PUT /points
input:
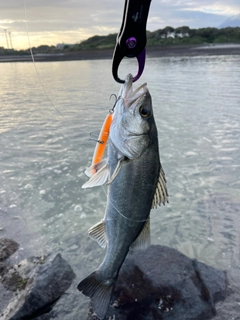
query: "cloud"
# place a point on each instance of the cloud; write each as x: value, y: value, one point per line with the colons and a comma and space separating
x: 195, y: 14
x: 71, y: 21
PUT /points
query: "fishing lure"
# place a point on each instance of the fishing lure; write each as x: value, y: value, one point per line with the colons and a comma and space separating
x: 102, y: 141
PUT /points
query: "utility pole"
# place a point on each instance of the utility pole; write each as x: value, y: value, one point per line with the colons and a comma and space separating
x: 6, y: 34
x: 10, y: 39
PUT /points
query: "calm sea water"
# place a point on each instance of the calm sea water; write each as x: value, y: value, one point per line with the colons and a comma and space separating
x: 44, y: 151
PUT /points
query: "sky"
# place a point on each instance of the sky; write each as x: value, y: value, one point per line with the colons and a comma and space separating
x: 51, y: 22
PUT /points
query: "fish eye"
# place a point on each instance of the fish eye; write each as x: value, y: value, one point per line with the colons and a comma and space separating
x: 144, y: 112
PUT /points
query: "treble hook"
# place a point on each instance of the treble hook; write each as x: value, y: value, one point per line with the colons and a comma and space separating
x: 93, y: 137
x: 111, y: 111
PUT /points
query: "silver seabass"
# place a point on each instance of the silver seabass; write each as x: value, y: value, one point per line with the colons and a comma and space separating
x: 136, y: 183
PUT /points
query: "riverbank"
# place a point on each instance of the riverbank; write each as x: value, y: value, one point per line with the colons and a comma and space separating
x: 152, y: 51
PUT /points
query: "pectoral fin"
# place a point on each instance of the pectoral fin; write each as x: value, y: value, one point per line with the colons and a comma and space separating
x: 98, y: 233
x: 116, y: 171
x: 143, y: 240
x: 100, y: 176
x: 161, y: 194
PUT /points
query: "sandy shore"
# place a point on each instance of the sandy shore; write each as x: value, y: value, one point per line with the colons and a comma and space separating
x: 157, y: 51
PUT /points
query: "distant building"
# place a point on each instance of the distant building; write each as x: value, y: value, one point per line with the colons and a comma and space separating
x: 60, y: 46
x: 171, y: 35
x: 182, y: 35
x: 174, y: 35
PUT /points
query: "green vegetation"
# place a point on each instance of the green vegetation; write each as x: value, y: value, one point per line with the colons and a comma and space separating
x: 21, y: 283
x: 14, y: 281
x: 161, y: 37
x: 97, y: 42
x: 185, y: 35
x: 167, y: 36
x: 43, y: 49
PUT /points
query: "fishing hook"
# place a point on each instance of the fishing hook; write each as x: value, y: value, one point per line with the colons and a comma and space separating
x: 93, y: 137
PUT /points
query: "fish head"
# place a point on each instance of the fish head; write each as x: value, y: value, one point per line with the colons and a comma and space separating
x: 133, y: 124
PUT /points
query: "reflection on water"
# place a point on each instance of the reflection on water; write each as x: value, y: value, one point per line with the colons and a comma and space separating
x: 43, y: 156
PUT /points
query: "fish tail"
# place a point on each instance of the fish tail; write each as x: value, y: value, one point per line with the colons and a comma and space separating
x: 99, y: 291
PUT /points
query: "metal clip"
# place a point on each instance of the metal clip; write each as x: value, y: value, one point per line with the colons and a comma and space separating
x: 131, y: 40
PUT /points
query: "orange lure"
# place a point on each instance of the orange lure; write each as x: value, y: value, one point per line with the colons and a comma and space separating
x: 102, y: 141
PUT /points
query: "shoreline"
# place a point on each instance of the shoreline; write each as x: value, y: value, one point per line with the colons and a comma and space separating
x: 151, y: 51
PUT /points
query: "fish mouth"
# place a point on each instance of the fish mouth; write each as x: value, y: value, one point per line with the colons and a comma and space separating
x: 130, y: 96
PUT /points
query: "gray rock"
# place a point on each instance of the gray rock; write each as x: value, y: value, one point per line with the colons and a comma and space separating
x: 7, y: 248
x: 160, y: 283
x: 38, y: 284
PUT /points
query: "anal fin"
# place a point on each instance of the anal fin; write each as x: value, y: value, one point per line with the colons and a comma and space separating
x: 143, y: 240
x: 98, y: 233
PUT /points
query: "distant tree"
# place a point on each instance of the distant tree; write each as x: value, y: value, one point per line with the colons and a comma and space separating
x: 156, y: 35
x: 43, y: 49
x: 192, y: 32
x: 98, y: 42
x: 209, y: 34
x: 182, y: 31
x: 167, y: 31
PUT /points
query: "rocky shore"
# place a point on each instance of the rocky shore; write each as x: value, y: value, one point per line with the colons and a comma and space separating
x: 162, y: 283
x: 153, y: 284
x: 30, y: 288
x: 153, y: 51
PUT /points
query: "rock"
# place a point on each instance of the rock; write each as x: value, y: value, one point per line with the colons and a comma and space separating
x: 160, y: 283
x: 7, y: 248
x: 2, y: 267
x: 38, y: 284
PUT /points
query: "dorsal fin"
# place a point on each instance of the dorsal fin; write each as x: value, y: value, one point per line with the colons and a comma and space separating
x: 161, y: 194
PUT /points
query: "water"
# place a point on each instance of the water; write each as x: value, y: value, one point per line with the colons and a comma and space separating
x: 43, y: 156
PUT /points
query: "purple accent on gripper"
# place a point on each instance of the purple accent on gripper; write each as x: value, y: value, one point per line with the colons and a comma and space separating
x: 141, y: 62
x: 131, y: 42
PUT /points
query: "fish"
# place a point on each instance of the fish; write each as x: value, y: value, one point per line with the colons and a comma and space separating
x: 136, y: 183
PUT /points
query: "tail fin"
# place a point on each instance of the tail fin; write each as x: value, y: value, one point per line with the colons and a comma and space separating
x: 99, y: 291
